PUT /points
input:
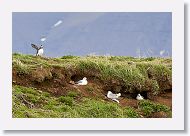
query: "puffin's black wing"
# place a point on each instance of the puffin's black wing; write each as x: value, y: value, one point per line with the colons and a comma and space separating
x: 34, y: 46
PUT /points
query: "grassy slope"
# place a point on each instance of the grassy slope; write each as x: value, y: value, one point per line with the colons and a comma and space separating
x: 32, y: 103
x: 146, y: 74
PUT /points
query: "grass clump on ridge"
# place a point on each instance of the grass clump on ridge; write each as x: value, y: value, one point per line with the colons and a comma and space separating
x: 22, y: 69
x: 69, y: 57
x: 134, y: 77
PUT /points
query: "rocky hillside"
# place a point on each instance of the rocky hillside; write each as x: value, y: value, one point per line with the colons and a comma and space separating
x: 43, y: 87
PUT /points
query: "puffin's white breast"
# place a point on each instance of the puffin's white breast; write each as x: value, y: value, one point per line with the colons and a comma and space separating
x: 40, y: 52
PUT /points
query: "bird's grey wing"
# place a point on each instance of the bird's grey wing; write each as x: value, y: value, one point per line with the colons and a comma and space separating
x: 34, y: 46
x: 112, y: 96
x: 80, y: 81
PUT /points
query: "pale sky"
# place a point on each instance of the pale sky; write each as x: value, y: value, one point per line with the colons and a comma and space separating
x: 120, y: 34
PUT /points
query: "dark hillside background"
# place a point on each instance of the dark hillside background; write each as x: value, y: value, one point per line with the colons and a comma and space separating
x: 118, y: 34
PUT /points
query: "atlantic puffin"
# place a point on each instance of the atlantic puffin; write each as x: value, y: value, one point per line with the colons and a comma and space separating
x: 39, y: 50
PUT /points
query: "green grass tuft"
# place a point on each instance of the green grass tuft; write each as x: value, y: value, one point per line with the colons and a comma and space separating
x: 69, y: 57
x: 66, y: 100
x: 72, y: 94
x: 149, y: 107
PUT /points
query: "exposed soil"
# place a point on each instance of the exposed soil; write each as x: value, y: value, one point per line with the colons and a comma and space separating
x: 61, y: 85
x: 164, y: 98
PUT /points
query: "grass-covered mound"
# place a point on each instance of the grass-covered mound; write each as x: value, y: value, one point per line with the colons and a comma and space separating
x: 42, y: 87
x: 117, y: 73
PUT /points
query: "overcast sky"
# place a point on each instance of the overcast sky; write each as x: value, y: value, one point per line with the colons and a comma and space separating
x: 123, y: 34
